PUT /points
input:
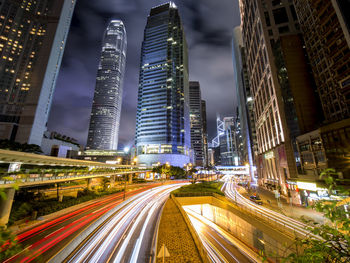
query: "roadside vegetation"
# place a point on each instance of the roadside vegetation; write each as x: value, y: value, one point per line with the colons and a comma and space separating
x: 27, y: 206
x: 200, y: 188
x: 334, y: 245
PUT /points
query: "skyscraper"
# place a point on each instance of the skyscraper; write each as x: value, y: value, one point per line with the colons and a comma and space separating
x: 245, y: 100
x: 205, y: 133
x: 325, y: 28
x: 107, y: 103
x: 326, y: 34
x: 283, y: 94
x: 196, y: 122
x: 228, y: 143
x: 163, y: 125
x: 32, y: 40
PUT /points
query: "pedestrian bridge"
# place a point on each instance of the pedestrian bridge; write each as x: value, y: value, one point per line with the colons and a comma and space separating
x: 15, y: 159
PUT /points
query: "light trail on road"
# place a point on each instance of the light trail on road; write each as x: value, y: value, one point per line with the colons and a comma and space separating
x: 220, y: 245
x: 45, y: 240
x: 292, y: 225
x: 120, y: 237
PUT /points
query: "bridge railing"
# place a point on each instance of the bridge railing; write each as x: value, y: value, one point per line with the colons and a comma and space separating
x: 39, y: 178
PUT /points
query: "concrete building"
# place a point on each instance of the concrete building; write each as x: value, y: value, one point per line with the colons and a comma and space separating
x: 163, y: 124
x: 106, y: 156
x: 55, y: 144
x: 326, y: 34
x: 281, y: 86
x: 205, y: 133
x: 228, y: 143
x: 326, y: 147
x: 32, y: 40
x: 107, y: 103
x: 196, y: 120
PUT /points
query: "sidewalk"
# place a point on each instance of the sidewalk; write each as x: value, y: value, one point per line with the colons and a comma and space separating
x: 287, y: 209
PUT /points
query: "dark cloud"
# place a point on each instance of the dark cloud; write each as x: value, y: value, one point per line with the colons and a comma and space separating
x: 208, y: 27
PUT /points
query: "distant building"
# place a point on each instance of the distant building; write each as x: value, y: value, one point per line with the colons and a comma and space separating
x: 55, y: 144
x: 106, y: 156
x: 205, y: 133
x: 245, y: 100
x: 107, y: 103
x: 32, y: 40
x: 163, y: 124
x: 211, y: 159
x: 228, y: 143
x: 196, y: 121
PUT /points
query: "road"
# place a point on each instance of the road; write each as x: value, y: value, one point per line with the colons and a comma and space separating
x: 288, y: 224
x: 127, y: 235
x: 45, y: 240
x: 220, y: 245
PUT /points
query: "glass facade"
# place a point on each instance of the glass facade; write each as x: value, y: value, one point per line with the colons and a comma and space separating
x: 163, y: 125
x: 32, y: 40
x: 107, y: 103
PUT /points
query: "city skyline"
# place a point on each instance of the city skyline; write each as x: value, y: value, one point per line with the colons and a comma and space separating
x: 153, y: 183
x: 211, y: 36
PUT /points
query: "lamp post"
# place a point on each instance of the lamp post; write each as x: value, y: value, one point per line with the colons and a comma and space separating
x: 124, y: 187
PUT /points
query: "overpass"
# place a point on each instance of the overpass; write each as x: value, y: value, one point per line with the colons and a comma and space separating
x: 12, y: 180
x: 17, y: 159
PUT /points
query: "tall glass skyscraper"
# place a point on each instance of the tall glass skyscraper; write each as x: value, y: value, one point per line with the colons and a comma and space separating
x: 33, y: 35
x: 107, y: 104
x: 163, y: 125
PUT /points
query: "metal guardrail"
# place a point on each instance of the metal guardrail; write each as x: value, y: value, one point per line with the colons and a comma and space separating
x: 285, y: 228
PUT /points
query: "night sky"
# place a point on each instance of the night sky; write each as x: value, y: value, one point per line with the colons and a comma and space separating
x: 208, y: 27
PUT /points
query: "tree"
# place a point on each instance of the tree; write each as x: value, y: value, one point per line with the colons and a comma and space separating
x: 8, y: 243
x: 333, y: 247
x: 104, y: 183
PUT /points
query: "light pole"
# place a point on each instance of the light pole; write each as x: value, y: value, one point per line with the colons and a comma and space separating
x: 124, y: 186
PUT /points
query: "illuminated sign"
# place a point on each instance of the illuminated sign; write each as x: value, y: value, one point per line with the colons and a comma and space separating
x: 269, y: 155
x: 233, y: 169
x: 309, y: 186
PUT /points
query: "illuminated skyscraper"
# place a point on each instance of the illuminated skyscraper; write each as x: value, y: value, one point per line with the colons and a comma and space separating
x: 281, y: 86
x: 163, y: 125
x: 32, y: 39
x: 107, y: 104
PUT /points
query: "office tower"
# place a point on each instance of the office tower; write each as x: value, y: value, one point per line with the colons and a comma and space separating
x: 282, y: 89
x: 32, y: 40
x: 325, y: 29
x: 163, y: 125
x: 107, y: 103
x: 241, y: 152
x: 228, y: 143
x: 325, y: 34
x: 196, y: 122
x: 205, y: 133
x: 245, y: 101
